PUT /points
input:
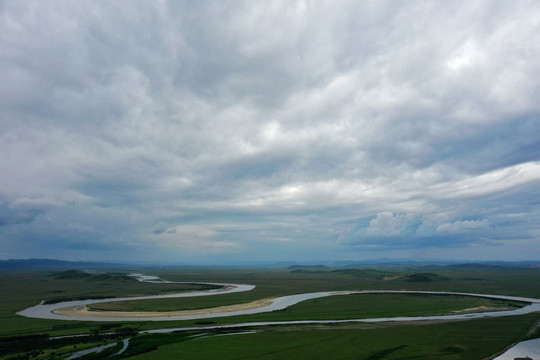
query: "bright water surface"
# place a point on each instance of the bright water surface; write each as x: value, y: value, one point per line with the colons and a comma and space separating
x: 89, y: 351
x: 529, y: 348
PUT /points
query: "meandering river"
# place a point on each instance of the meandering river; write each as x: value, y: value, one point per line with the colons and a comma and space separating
x: 54, y: 311
x: 47, y: 311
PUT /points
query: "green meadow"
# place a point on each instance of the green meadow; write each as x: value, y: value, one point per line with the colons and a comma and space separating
x: 470, y: 339
x: 476, y: 339
x: 342, y: 306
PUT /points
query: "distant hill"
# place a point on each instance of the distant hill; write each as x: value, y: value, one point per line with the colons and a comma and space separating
x: 83, y: 275
x: 416, y: 277
x: 318, y: 269
x: 424, y: 277
x: 476, y: 266
x: 308, y: 267
x: 359, y: 272
x: 49, y: 264
x: 496, y: 265
x: 71, y: 274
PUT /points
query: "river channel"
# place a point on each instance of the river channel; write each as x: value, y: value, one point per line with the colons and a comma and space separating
x: 48, y: 311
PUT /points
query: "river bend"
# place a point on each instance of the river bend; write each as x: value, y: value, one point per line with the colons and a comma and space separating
x: 47, y: 311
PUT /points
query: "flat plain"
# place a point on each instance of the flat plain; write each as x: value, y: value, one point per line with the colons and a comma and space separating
x: 468, y: 339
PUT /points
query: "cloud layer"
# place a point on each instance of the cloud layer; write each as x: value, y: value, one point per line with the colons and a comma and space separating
x: 220, y: 132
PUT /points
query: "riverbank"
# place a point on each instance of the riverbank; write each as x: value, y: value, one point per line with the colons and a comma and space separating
x: 83, y: 310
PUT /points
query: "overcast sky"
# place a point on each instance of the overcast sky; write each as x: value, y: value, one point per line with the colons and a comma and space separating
x: 230, y: 131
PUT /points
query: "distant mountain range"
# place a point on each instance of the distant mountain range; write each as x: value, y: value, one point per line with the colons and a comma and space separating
x: 62, y: 264
x: 50, y: 264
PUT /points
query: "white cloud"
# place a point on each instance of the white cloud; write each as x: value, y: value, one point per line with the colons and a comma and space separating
x: 193, y: 239
x: 270, y: 117
x: 491, y: 182
x: 388, y: 224
x: 460, y: 227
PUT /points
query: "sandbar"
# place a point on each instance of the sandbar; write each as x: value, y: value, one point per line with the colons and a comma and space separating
x: 83, y: 310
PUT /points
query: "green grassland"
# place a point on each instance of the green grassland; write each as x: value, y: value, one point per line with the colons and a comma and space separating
x: 471, y: 339
x: 375, y: 305
x: 272, y: 283
x: 21, y: 289
x: 341, y: 306
x: 474, y: 339
x: 29, y: 288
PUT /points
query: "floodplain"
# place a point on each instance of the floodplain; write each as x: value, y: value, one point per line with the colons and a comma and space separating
x: 23, y: 337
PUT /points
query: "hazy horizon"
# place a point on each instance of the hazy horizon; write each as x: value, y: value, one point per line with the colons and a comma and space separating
x: 384, y: 262
x: 230, y: 132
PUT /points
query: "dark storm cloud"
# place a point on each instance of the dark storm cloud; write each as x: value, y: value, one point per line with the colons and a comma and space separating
x: 178, y: 130
x: 12, y: 213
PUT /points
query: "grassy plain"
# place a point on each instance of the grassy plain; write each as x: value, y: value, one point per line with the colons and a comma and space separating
x: 476, y: 339
x: 20, y: 289
x: 342, y: 306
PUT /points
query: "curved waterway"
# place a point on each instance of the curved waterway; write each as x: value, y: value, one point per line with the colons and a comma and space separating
x: 526, y: 349
x: 54, y: 311
x: 47, y: 311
